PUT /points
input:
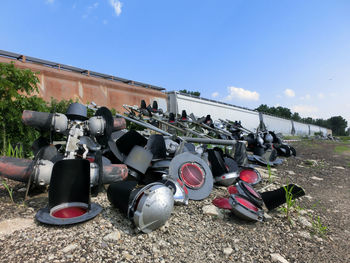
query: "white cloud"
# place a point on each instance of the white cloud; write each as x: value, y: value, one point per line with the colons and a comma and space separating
x: 117, y: 6
x: 214, y: 94
x: 320, y: 95
x: 304, y: 109
x: 289, y: 93
x: 104, y: 21
x: 242, y: 94
x: 50, y: 1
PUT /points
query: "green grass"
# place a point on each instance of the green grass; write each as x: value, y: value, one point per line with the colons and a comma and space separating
x: 310, y: 144
x: 344, y: 138
x: 8, y: 188
x: 270, y: 173
x: 16, y: 152
x: 290, y: 202
x: 291, y: 137
x: 342, y: 149
x: 318, y: 227
x: 309, y: 162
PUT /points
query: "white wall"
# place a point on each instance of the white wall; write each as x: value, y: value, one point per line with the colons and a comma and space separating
x: 301, y: 128
x: 201, y: 107
x: 277, y: 125
x: 249, y: 118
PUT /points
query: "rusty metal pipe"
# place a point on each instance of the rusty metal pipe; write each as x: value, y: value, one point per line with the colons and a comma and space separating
x: 114, y: 172
x: 36, y: 119
x: 15, y: 168
x: 119, y: 124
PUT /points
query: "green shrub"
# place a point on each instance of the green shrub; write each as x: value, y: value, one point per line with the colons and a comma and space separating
x: 17, y: 89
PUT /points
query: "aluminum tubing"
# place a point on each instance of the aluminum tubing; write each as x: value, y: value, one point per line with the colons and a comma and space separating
x: 16, y: 169
x: 209, y: 141
x: 111, y: 173
x: 143, y: 124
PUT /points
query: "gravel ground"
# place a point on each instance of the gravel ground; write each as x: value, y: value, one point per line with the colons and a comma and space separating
x: 190, y: 235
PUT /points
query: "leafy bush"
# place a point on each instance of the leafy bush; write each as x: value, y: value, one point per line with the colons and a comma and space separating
x: 17, y: 93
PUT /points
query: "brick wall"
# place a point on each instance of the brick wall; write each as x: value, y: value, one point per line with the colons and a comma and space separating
x: 62, y: 84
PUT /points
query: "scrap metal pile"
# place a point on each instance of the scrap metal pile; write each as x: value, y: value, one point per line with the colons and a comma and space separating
x: 171, y: 160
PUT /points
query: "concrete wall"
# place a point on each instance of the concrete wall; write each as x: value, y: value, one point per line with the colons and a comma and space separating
x: 61, y: 84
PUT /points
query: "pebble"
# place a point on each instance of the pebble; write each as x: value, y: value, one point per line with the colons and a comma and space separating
x: 263, y: 172
x: 308, y: 197
x: 316, y: 178
x: 275, y: 257
x: 228, y: 251
x: 127, y: 256
x: 302, y: 220
x: 319, y: 239
x: 212, y: 210
x: 188, y: 236
x: 69, y: 248
x: 305, y: 234
x: 11, y: 225
x: 155, y: 249
x: 303, y: 212
x: 339, y: 167
x: 291, y: 172
x: 267, y: 216
x: 114, y: 236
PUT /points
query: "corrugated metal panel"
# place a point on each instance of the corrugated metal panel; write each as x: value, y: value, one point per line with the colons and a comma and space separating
x: 201, y: 107
x: 278, y: 124
x: 301, y: 128
x: 250, y: 119
x: 314, y: 129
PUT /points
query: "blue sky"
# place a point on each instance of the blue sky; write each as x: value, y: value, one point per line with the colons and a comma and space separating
x: 294, y: 54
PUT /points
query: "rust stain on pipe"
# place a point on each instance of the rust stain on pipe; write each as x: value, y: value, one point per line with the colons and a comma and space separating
x: 27, y: 116
x: 109, y: 171
x: 119, y: 124
x: 15, y: 168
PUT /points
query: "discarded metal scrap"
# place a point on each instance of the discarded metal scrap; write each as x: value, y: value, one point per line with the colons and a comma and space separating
x: 147, y: 173
x: 246, y: 203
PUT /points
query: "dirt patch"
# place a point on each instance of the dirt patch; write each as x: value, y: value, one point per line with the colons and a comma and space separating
x: 192, y: 236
